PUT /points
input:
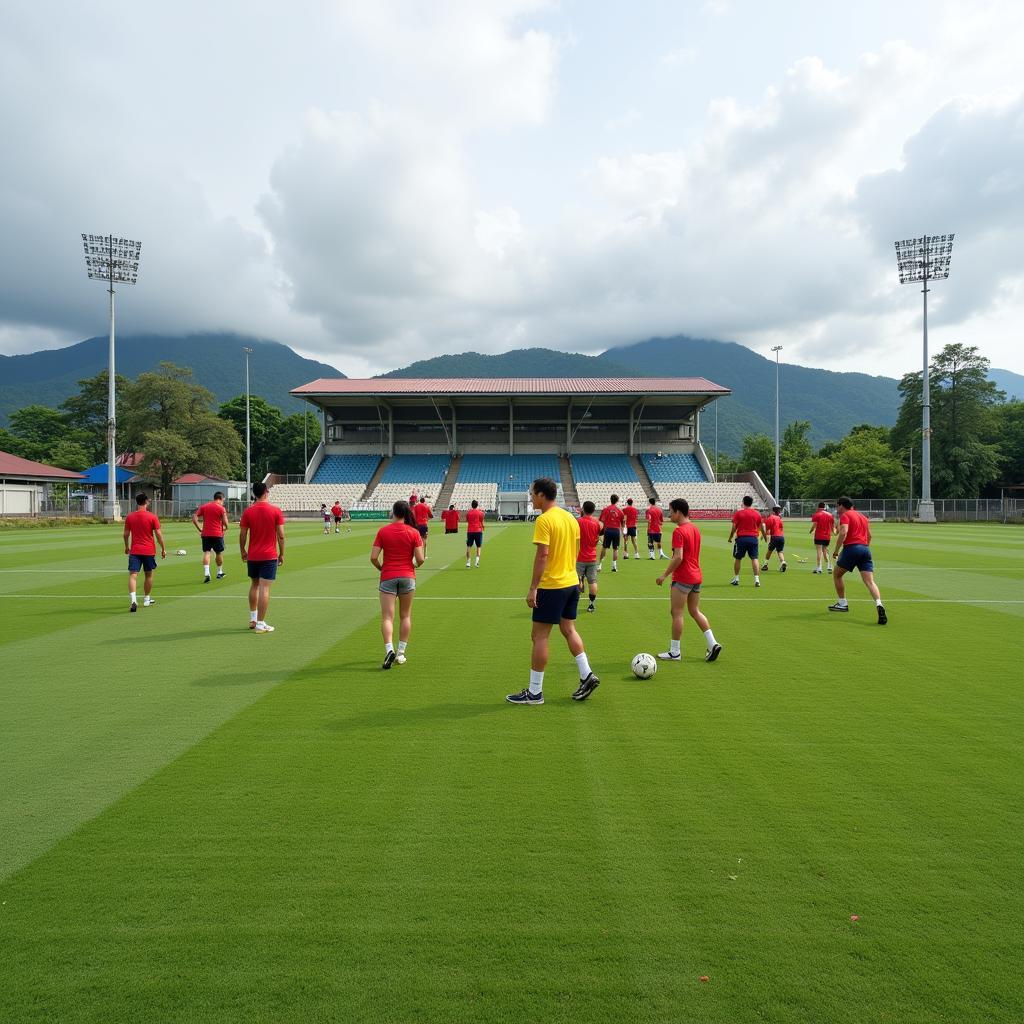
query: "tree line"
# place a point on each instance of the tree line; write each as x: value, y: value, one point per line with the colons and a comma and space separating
x: 168, y: 419
x: 977, y: 442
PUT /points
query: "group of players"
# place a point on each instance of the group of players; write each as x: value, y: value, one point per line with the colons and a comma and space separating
x: 566, y: 562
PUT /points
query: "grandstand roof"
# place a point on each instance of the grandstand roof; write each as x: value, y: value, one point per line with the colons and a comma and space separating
x: 326, y: 386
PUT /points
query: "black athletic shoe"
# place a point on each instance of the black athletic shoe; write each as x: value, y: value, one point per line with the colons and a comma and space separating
x: 713, y: 654
x: 134, y: 607
x: 221, y: 575
x: 587, y: 687
x: 525, y: 697
x: 783, y: 567
x: 734, y: 583
x: 590, y: 607
x: 389, y: 660
x: 882, y: 617
x: 206, y: 579
x: 837, y: 607
x: 764, y: 568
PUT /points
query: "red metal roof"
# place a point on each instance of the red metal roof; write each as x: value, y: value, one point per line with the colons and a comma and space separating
x: 12, y: 465
x: 511, y: 386
x: 192, y: 478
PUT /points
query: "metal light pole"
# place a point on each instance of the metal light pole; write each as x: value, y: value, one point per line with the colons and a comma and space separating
x: 716, y: 436
x: 776, y: 349
x: 248, y: 448
x: 115, y: 261
x: 925, y: 259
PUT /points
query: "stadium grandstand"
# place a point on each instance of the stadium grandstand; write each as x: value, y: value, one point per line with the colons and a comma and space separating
x: 458, y: 440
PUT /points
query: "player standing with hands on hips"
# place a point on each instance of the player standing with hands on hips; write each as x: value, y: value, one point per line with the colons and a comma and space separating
x: 853, y: 537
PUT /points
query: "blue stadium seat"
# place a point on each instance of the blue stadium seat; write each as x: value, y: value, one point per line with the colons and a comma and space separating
x: 602, y: 469
x: 416, y: 469
x: 509, y: 472
x: 346, y: 469
x: 673, y: 468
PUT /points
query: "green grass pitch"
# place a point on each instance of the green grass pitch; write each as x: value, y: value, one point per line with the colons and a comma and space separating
x: 201, y: 824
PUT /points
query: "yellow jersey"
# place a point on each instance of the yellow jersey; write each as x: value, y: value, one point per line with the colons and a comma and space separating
x: 561, y: 533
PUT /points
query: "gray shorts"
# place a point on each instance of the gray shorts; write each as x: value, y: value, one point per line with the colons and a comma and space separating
x: 687, y: 588
x: 399, y: 585
x: 587, y: 570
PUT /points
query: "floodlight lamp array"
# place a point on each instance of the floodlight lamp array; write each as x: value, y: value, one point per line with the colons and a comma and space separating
x: 924, y: 259
x: 112, y: 259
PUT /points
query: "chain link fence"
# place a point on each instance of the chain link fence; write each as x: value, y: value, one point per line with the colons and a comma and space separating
x: 947, y: 510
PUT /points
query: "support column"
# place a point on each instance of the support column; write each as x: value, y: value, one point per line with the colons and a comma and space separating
x: 455, y: 436
x: 511, y: 441
x: 696, y: 426
x: 391, y: 432
x: 568, y: 429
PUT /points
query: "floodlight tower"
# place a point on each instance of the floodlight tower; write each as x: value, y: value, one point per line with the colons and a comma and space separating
x: 116, y: 261
x: 776, y: 349
x: 248, y: 447
x: 925, y: 259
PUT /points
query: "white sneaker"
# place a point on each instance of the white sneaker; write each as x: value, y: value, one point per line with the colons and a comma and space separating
x: 757, y: 582
x: 651, y: 556
x: 669, y: 656
x: 400, y: 659
x: 625, y: 558
x: 262, y: 627
x: 148, y: 601
x: 663, y: 555
x: 468, y: 566
x: 478, y: 563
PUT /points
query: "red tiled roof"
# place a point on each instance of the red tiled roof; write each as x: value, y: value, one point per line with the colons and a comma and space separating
x: 192, y: 478
x: 511, y: 386
x: 12, y: 465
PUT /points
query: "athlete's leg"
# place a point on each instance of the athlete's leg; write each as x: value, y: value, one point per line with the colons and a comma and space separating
x: 147, y: 586
x: 263, y: 600
x: 679, y: 603
x: 387, y: 616
x: 693, y: 607
x: 405, y: 616
x: 869, y: 582
x: 539, y: 636
x: 133, y: 582
x: 837, y: 578
x: 254, y: 590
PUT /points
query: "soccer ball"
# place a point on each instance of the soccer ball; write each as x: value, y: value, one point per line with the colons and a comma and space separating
x: 644, y: 666
x: 181, y: 551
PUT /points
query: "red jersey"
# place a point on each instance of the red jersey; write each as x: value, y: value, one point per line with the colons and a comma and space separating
x: 590, y: 530
x: 857, y: 529
x: 142, y: 524
x: 687, y: 538
x: 261, y: 519
x: 611, y: 516
x: 336, y: 511
x: 475, y: 520
x: 451, y: 518
x: 655, y: 517
x: 823, y: 524
x: 398, y: 542
x: 632, y: 514
x: 773, y: 524
x: 422, y: 513
x: 747, y: 522
x: 214, y: 517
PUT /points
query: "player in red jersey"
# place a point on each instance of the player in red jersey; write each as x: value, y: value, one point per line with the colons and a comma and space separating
x: 422, y: 514
x: 655, y: 517
x: 474, y: 531
x: 261, y: 542
x: 451, y: 519
x: 746, y: 528
x: 611, y: 518
x: 853, y: 537
x: 776, y: 541
x: 337, y: 513
x: 215, y: 521
x: 822, y: 526
x: 140, y: 527
x: 586, y: 559
x: 684, y: 568
x: 397, y: 551
x: 630, y: 515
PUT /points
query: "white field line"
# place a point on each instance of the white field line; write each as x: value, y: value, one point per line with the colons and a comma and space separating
x: 361, y: 566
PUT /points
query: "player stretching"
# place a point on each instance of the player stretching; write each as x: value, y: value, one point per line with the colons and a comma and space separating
x: 746, y: 528
x: 397, y: 550
x: 474, y: 531
x: 776, y: 542
x: 554, y: 593
x: 853, y: 537
x: 630, y: 514
x: 684, y: 568
x: 325, y: 514
x: 655, y: 517
x: 215, y: 521
x: 141, y: 526
x: 422, y: 514
x: 822, y: 526
x: 261, y: 541
x: 611, y: 517
x: 586, y: 560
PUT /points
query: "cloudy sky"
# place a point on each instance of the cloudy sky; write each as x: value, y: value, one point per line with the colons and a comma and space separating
x: 375, y: 181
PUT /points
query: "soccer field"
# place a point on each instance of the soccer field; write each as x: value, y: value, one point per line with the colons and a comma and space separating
x: 198, y: 823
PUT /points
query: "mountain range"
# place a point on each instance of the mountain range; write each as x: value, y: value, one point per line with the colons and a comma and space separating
x: 832, y: 402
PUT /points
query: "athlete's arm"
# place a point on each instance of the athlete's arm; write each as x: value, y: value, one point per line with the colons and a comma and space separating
x: 127, y: 535
x: 418, y: 557
x: 280, y: 543
x: 674, y: 562
x: 160, y: 537
x: 540, y: 561
x: 243, y: 536
x: 732, y: 533
x: 375, y: 558
x: 195, y: 520
x: 840, y: 538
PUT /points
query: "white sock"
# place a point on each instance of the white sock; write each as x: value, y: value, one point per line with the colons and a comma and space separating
x: 478, y: 561
x: 583, y: 665
x: 389, y: 648
x: 841, y: 602
x: 673, y: 647
x: 710, y: 638
x: 402, y: 644
x: 536, y: 682
x: 260, y: 622
x: 206, y: 570
x: 736, y: 578
x: 878, y: 602
x: 757, y: 579
x: 132, y: 596
x: 252, y: 616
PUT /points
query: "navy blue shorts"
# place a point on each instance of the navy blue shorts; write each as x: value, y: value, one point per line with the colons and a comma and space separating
x: 856, y: 556
x: 744, y: 547
x: 144, y: 562
x: 555, y: 605
x: 776, y: 544
x: 823, y: 543
x: 476, y: 538
x: 422, y: 529
x: 611, y: 539
x: 263, y: 570
x: 213, y: 544
x: 630, y: 531
x: 654, y: 538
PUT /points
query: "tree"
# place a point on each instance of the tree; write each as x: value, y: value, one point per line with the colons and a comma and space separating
x: 169, y: 419
x: 795, y: 454
x: 862, y: 467
x: 264, y: 428
x: 44, y: 435
x: 88, y: 411
x: 962, y: 399
x: 1007, y: 431
x: 289, y: 453
x: 759, y: 455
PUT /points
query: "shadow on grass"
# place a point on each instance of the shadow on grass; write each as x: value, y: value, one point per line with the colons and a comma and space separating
x: 388, y: 718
